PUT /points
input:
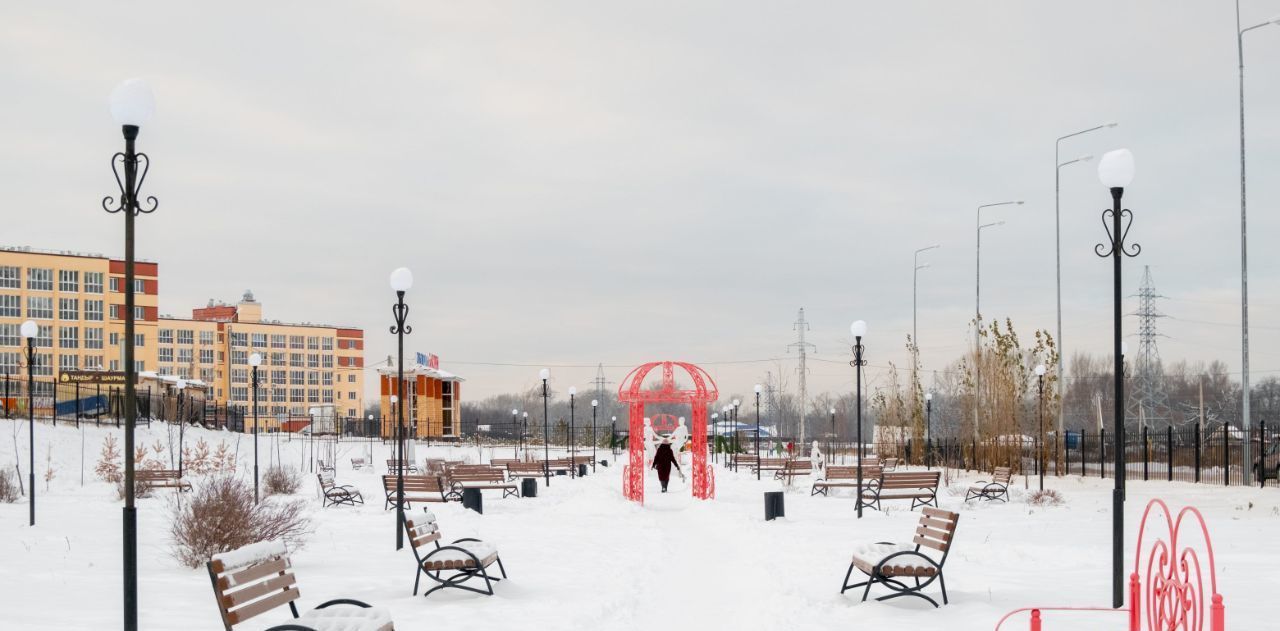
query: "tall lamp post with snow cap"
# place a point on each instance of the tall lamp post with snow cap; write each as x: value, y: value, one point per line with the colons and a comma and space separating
x: 544, y: 375
x: 831, y: 439
x: 401, y: 280
x: 30, y: 330
x: 515, y: 427
x: 595, y: 404
x: 255, y: 360
x: 132, y: 105
x: 715, y: 420
x: 181, y: 386
x: 1040, y: 370
x: 858, y: 329
x: 524, y: 431
x: 573, y: 466
x: 737, y: 403
x: 928, y: 429
x: 1116, y: 172
x: 758, y: 389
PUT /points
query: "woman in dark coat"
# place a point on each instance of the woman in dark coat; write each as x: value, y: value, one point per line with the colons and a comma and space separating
x: 662, y: 461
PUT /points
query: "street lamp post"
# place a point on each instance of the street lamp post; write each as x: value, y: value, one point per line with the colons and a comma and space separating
x: 858, y: 329
x: 369, y: 429
x: 29, y: 331
x: 515, y: 427
x: 255, y: 360
x: 915, y: 338
x: 928, y: 429
x: 1040, y: 370
x: 595, y: 404
x: 524, y: 431
x: 758, y: 389
x: 1116, y: 172
x: 1244, y: 261
x: 977, y: 308
x: 545, y: 374
x: 573, y: 465
x: 831, y: 439
x: 401, y: 280
x: 132, y: 104
x: 613, y: 429
x: 181, y: 386
x: 715, y: 420
x: 736, y: 404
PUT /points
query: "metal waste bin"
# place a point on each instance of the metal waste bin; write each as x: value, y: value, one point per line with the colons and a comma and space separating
x: 471, y: 498
x: 773, y: 507
x: 582, y: 470
x: 529, y: 487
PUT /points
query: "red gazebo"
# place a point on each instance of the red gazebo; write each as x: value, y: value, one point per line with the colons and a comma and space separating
x: 633, y: 393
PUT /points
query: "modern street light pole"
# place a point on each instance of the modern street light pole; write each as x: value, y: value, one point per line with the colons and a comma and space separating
x: 977, y: 310
x: 1040, y: 370
x: 715, y: 420
x: 545, y: 374
x: 30, y: 330
x: 181, y: 386
x: 858, y: 329
x: 132, y: 104
x: 736, y: 404
x: 573, y: 465
x: 928, y: 429
x: 613, y: 432
x: 758, y: 388
x: 1246, y: 446
x: 595, y: 404
x: 255, y: 360
x: 524, y: 431
x: 401, y: 280
x: 831, y: 439
x: 915, y: 336
x: 1116, y: 172
x: 515, y: 427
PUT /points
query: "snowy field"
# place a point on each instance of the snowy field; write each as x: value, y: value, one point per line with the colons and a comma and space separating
x: 581, y: 557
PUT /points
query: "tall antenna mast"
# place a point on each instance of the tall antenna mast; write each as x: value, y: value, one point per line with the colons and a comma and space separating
x: 800, y: 327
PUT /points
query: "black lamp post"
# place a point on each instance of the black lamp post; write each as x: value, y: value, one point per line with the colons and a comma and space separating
x: 131, y: 105
x: 831, y: 439
x: 736, y: 404
x: 1040, y: 412
x: 594, y: 442
x: 181, y: 386
x: 928, y: 429
x: 401, y: 280
x: 715, y: 420
x: 515, y: 427
x: 758, y: 467
x: 369, y: 429
x: 545, y: 374
x: 573, y: 465
x: 1116, y: 171
x: 255, y: 360
x: 859, y: 329
x: 613, y: 434
x: 524, y: 432
x: 29, y: 331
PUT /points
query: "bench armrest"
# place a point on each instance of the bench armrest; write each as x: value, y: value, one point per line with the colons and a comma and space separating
x: 291, y: 626
x: 344, y: 601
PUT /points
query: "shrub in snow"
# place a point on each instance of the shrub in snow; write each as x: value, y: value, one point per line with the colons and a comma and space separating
x: 1047, y: 497
x: 280, y: 481
x: 108, y: 467
x: 8, y: 487
x: 196, y: 459
x: 221, y: 516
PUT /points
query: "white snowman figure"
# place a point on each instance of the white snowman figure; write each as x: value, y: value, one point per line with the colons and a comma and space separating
x: 815, y: 457
x: 679, y: 438
x: 651, y: 440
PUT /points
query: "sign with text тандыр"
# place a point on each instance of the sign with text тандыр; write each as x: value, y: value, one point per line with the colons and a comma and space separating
x: 103, y: 377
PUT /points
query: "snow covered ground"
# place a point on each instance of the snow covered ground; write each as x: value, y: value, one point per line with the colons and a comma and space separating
x: 581, y: 557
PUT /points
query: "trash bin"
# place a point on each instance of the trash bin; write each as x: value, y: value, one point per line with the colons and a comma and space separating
x: 604, y: 463
x: 582, y: 470
x: 529, y: 487
x: 471, y: 498
x: 773, y: 507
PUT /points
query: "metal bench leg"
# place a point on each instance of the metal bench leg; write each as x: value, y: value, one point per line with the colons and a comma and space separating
x: 844, y: 586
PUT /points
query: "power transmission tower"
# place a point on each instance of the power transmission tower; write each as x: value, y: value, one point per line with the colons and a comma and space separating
x: 1150, y: 403
x: 600, y: 384
x: 801, y: 327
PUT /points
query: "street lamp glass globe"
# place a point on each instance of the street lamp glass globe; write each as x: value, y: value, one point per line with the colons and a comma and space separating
x: 928, y: 396
x: 132, y: 102
x: 29, y: 329
x: 181, y: 384
x: 371, y: 417
x: 1040, y: 370
x: 572, y: 391
x: 613, y: 418
x: 759, y: 388
x: 526, y: 415
x: 833, y: 410
x: 714, y: 415
x: 401, y: 279
x: 544, y: 374
x: 255, y: 359
x: 858, y: 328
x: 737, y: 402
x: 395, y: 399
x: 595, y: 403
x: 514, y: 412
x: 1115, y: 169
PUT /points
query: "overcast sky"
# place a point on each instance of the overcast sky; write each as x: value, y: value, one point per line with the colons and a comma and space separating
x: 575, y: 183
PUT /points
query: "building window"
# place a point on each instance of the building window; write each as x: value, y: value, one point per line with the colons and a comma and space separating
x: 184, y: 356
x: 351, y: 378
x: 39, y: 279
x: 351, y: 395
x: 313, y: 378
x: 139, y: 286
x: 10, y: 277
x: 295, y: 360
x: 44, y: 365
x: 277, y: 359
x: 93, y: 337
x: 206, y: 355
x: 115, y: 365
x: 239, y: 393
x: 297, y: 395
x: 279, y: 341
x: 68, y: 337
x: 68, y: 362
x: 326, y: 361
x: 239, y: 375
x: 326, y: 343
x: 139, y: 340
x: 164, y: 355
x: 165, y: 336
x: 206, y: 338
x: 115, y: 339
x: 93, y: 310
x: 10, y: 306
x: 297, y: 341
x: 313, y: 360
x: 313, y: 343
x: 93, y: 282
x: 280, y: 377
x: 259, y: 340
x: 93, y: 362
x: 40, y: 307
x: 328, y: 396
x: 68, y: 280
x: 327, y: 379
x: 239, y: 357
x: 297, y: 378
x: 69, y: 308
x: 44, y: 336
x: 115, y: 312
x: 206, y: 375
x: 139, y: 313
x: 139, y: 365
x: 9, y: 363
x: 313, y: 395
x: 239, y: 339
x: 115, y: 284
x: 186, y: 336
x: 279, y: 395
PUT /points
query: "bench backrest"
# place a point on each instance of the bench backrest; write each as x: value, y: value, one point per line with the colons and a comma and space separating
x: 357, y: 462
x: 1002, y: 475
x: 156, y: 474
x: 910, y: 479
x: 488, y: 474
x: 937, y: 529
x: 503, y: 463
x: 840, y: 472
x: 469, y: 468
x: 799, y: 465
x: 252, y: 580
x: 414, y: 483
x: 422, y: 530
x: 326, y: 481
x: 525, y: 469
x: 889, y: 464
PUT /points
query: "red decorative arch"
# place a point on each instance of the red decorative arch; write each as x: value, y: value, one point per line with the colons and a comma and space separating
x: 636, y: 396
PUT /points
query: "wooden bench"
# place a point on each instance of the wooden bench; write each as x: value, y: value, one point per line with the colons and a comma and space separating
x: 738, y: 460
x: 255, y: 579
x: 464, y: 558
x: 921, y: 487
x: 337, y: 494
x: 358, y: 463
x: 483, y: 477
x: 394, y: 466
x: 324, y: 466
x: 503, y: 463
x: 889, y: 464
x: 417, y: 488
x: 890, y: 564
x: 996, y: 489
x: 161, y: 478
x: 525, y: 470
x: 841, y: 476
x: 792, y: 469
x: 770, y: 464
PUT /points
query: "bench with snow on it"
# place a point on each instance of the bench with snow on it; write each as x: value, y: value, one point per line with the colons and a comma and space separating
x: 889, y: 464
x: 770, y: 464
x: 503, y: 463
x: 417, y: 488
x: 324, y: 466
x: 921, y: 487
x: 483, y: 477
x: 161, y: 478
x: 996, y: 489
x: 337, y: 494
x: 257, y: 578
x: 394, y: 466
x: 525, y: 470
x: 358, y: 463
x: 465, y: 559
x: 738, y: 460
x: 556, y: 465
x: 1180, y: 592
x: 893, y: 564
x: 843, y: 476
x: 792, y: 469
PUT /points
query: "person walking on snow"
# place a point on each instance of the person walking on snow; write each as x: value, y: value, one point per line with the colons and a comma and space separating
x: 662, y: 461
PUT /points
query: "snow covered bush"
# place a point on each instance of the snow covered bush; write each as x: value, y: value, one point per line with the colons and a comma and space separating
x: 8, y: 487
x: 140, y: 489
x: 280, y: 481
x: 221, y: 516
x: 1047, y: 497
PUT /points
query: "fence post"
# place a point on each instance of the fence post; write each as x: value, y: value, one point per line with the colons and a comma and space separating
x: 1057, y: 442
x: 54, y: 412
x: 1226, y: 456
x: 1168, y: 445
x: 1102, y: 453
x: 1262, y: 450
x: 1146, y: 453
x: 1197, y: 454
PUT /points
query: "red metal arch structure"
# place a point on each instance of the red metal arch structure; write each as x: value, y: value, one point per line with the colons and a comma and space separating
x: 636, y: 396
